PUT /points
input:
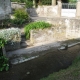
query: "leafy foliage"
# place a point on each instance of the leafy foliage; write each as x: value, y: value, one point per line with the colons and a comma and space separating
x: 35, y: 25
x: 29, y: 3
x: 2, y: 42
x: 21, y: 16
x: 8, y: 35
x: 20, y: 13
x: 5, y: 23
x: 21, y: 1
x: 72, y: 1
x: 46, y: 2
x: 4, y: 63
x: 3, y: 60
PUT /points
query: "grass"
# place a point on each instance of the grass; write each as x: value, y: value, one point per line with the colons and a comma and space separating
x: 71, y: 73
x: 35, y: 25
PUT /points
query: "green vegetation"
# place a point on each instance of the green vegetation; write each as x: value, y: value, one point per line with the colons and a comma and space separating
x: 21, y: 1
x: 5, y: 23
x: 20, y: 13
x: 35, y: 25
x: 29, y: 3
x: 4, y: 63
x: 3, y: 60
x: 2, y: 42
x: 8, y: 34
x: 72, y: 1
x: 46, y: 2
x: 71, y: 73
x: 21, y: 16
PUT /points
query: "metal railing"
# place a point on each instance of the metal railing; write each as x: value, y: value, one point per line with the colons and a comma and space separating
x: 68, y: 5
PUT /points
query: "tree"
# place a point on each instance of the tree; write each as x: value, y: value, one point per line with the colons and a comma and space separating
x: 72, y: 1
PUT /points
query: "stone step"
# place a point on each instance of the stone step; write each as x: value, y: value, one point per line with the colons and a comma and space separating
x: 23, y: 44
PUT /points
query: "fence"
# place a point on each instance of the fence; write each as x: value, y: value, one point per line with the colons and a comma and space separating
x: 69, y: 5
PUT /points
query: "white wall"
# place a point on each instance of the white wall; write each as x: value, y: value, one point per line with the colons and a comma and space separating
x: 68, y: 12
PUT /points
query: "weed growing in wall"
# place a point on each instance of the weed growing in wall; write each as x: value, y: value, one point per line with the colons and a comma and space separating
x: 35, y: 25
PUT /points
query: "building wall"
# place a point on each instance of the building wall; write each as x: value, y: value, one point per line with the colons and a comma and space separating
x: 5, y: 9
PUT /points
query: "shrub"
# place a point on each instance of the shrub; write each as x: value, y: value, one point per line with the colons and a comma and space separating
x: 72, y: 1
x: 18, y: 21
x: 20, y: 13
x: 2, y: 42
x: 4, y: 63
x: 8, y: 34
x: 21, y: 16
x: 35, y: 25
x: 3, y: 60
x: 5, y: 23
x: 29, y: 3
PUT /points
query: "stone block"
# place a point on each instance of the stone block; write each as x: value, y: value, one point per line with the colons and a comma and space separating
x: 12, y: 46
x: 39, y: 36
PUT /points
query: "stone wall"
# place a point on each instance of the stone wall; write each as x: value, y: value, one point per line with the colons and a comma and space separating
x: 62, y: 29
x: 5, y: 9
x: 44, y: 11
x: 72, y: 28
x: 13, y: 38
x: 16, y: 5
x: 41, y: 35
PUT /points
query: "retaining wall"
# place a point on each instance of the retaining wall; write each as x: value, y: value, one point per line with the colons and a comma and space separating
x: 62, y: 29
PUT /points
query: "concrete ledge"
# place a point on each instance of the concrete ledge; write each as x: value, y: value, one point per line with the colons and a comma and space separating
x: 32, y: 51
x: 26, y: 54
